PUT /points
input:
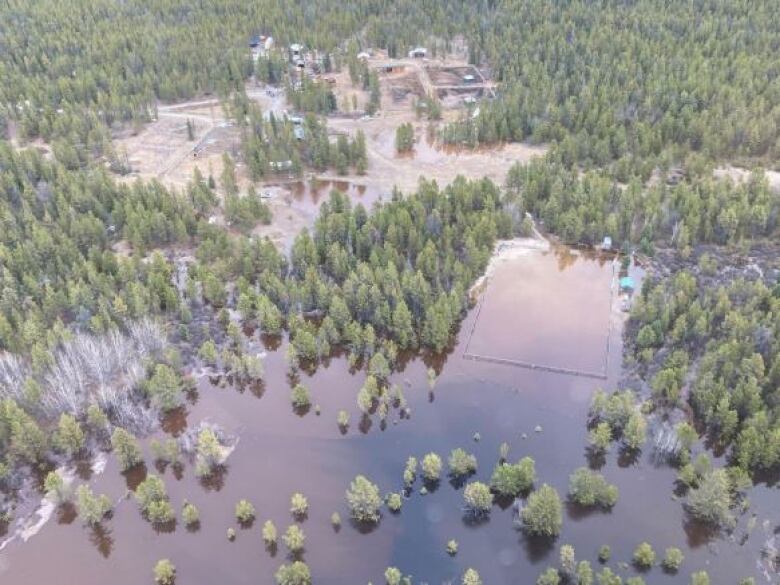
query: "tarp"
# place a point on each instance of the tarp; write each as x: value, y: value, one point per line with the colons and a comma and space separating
x: 627, y: 282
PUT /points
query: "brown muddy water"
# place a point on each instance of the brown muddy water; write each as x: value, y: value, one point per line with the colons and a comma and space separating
x: 307, y: 196
x: 280, y: 452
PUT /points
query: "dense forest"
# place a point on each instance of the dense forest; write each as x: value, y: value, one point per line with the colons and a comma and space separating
x: 713, y: 343
x: 698, y: 209
x: 109, y: 290
x: 639, y: 80
x: 605, y: 81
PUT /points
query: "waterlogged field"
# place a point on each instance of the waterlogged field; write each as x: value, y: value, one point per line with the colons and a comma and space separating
x: 546, y: 303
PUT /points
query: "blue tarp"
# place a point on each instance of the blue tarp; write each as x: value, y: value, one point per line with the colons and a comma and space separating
x: 627, y: 282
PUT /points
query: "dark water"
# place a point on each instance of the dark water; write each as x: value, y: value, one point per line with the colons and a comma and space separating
x: 279, y: 453
x: 309, y: 195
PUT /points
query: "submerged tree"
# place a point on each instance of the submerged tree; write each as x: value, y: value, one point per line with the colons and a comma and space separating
x: 294, y: 538
x: 511, y: 480
x: 91, y: 508
x: 164, y: 572
x: 296, y: 573
x: 478, y: 498
x: 461, y: 463
x: 364, y: 500
x: 431, y: 467
x: 126, y: 448
x: 542, y: 515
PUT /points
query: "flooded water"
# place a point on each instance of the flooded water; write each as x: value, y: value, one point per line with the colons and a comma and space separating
x: 280, y: 452
x: 307, y: 196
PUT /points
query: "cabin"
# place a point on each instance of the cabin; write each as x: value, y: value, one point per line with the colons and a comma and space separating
x: 418, y: 53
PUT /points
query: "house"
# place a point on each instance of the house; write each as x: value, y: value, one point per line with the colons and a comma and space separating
x: 298, y: 132
x: 418, y: 53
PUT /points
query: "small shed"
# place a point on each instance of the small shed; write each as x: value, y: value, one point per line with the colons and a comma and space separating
x: 607, y: 243
x: 363, y: 56
x: 418, y: 53
x: 469, y: 78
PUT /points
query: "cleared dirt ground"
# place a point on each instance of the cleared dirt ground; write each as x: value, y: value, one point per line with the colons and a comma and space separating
x: 163, y: 151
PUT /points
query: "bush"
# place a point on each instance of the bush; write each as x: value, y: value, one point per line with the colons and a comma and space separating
x: 363, y: 499
x: 673, y: 558
x: 300, y: 397
x: 269, y: 533
x: 471, y: 577
x: 431, y: 467
x: 126, y: 449
x: 91, y: 508
x: 164, y: 572
x: 549, y: 577
x: 510, y: 480
x: 299, y: 505
x: 296, y: 573
x: 461, y: 463
x: 190, y: 514
x: 393, y: 576
x: 152, y: 499
x: 245, y: 511
x: 394, y: 502
x: 542, y: 516
x: 294, y: 538
x: 404, y: 137
x: 644, y: 556
x: 589, y: 488
x: 478, y: 498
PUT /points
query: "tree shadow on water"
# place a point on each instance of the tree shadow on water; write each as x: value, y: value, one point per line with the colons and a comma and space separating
x: 365, y: 424
x: 699, y: 533
x: 66, y: 513
x: 575, y: 511
x: 135, y: 475
x: 363, y: 527
x: 596, y: 458
x: 102, y: 539
x: 471, y: 520
x: 537, y: 548
x: 628, y: 457
x: 214, y: 481
x: 165, y: 527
